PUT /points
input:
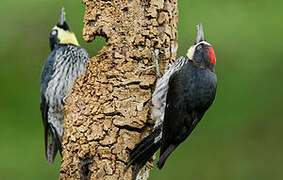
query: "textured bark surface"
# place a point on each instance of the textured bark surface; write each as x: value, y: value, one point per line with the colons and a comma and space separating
x: 108, y: 110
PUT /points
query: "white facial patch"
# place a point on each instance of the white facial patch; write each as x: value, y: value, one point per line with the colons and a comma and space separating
x: 192, y: 49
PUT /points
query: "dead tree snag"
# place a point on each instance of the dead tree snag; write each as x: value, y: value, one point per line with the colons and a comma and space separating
x: 108, y: 110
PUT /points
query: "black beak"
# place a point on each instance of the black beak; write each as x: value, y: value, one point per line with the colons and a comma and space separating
x: 62, y: 23
x: 62, y: 17
x: 200, y: 34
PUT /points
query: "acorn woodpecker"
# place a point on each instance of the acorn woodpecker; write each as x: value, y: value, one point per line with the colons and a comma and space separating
x: 64, y: 65
x: 180, y: 99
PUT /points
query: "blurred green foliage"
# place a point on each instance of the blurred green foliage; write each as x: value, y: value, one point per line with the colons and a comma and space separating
x: 240, y: 137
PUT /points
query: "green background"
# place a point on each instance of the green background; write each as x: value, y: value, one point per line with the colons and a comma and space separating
x: 240, y: 137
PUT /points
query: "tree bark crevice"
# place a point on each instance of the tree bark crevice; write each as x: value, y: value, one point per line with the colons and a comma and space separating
x: 108, y: 111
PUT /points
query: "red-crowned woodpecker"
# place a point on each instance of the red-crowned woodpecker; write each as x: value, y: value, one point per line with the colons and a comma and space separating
x: 181, y: 97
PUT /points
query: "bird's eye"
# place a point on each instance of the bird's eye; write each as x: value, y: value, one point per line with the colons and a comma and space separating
x: 53, y: 32
x: 199, y: 47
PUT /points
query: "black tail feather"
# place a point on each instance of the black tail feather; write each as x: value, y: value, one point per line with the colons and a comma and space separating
x: 58, y: 139
x: 51, y: 148
x: 165, y: 155
x: 145, y: 142
x: 137, y: 168
x: 54, y: 143
x: 144, y: 155
x: 143, y: 152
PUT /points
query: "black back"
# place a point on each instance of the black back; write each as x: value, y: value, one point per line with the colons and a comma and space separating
x: 191, y: 92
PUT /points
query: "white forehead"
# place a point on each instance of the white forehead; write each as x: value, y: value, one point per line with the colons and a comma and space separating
x: 192, y: 49
x: 203, y: 42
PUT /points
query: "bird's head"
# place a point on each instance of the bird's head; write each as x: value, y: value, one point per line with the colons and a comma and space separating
x: 202, y: 52
x: 61, y: 33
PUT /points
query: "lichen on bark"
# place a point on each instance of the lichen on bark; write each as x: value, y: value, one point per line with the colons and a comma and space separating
x: 108, y: 111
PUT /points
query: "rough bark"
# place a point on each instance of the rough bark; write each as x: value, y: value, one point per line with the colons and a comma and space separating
x: 108, y: 110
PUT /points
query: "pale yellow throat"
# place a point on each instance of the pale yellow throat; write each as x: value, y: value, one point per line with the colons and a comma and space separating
x: 66, y: 37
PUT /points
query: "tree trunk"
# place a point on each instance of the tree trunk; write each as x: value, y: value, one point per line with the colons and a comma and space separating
x: 108, y: 111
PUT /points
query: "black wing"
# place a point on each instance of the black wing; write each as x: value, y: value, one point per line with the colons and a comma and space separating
x: 176, y: 114
x: 47, y: 71
x: 191, y: 92
x: 44, y: 114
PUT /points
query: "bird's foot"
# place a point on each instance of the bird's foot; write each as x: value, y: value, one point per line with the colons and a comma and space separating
x: 155, y: 55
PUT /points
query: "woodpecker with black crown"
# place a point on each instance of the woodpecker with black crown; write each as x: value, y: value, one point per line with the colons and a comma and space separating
x: 64, y: 65
x: 181, y: 98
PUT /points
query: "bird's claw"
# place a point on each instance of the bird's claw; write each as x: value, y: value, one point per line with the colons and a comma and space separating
x: 155, y: 55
